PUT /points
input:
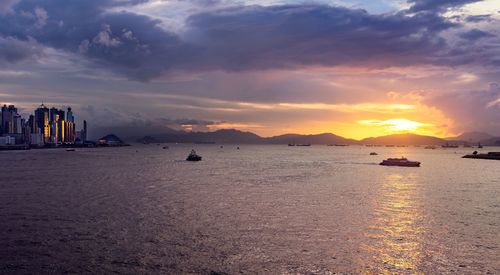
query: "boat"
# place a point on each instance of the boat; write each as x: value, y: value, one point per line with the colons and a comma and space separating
x: 70, y: 150
x: 447, y: 145
x: 479, y: 145
x: 373, y: 154
x: 489, y: 155
x: 306, y: 144
x: 193, y: 156
x: 165, y: 147
x: 291, y: 144
x: 432, y: 147
x: 400, y: 162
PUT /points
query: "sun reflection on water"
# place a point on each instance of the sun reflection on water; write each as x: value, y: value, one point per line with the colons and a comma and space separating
x: 394, y: 239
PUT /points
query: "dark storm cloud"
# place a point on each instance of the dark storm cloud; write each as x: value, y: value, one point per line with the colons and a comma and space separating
x: 437, y: 5
x: 127, y: 43
x: 475, y: 34
x: 14, y: 51
x: 478, y: 18
x: 290, y: 36
x: 238, y: 38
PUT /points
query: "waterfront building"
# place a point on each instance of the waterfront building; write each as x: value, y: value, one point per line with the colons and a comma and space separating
x: 9, y: 114
x: 84, y: 132
x: 42, y: 122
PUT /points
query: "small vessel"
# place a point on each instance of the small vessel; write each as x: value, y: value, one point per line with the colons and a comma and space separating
x: 400, y: 162
x: 70, y: 150
x: 305, y: 144
x: 193, y: 156
x: 479, y: 145
x: 447, y: 145
x: 489, y: 155
x: 291, y: 144
x: 432, y: 147
x: 373, y: 154
x: 165, y: 147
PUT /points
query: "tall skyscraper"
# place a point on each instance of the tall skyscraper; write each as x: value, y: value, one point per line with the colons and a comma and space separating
x: 9, y: 114
x: 84, y: 131
x: 42, y: 122
x: 70, y: 134
x: 69, y: 115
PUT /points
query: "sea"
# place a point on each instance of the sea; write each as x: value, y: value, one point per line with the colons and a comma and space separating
x: 259, y: 209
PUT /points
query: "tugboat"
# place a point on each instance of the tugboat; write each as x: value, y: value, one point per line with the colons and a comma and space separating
x: 400, y: 162
x: 193, y: 156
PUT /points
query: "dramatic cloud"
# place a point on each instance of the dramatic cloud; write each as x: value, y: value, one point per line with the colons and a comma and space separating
x: 13, y: 50
x: 437, y: 6
x: 475, y: 34
x: 237, y: 38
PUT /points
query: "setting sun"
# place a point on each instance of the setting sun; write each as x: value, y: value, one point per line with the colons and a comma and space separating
x: 396, y: 125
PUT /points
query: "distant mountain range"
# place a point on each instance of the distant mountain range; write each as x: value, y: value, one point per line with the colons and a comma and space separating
x: 232, y: 136
x: 473, y: 137
x: 404, y: 139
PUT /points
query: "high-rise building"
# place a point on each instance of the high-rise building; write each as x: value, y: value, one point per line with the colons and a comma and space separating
x: 69, y: 115
x: 8, y: 119
x: 70, y: 133
x: 42, y: 122
x: 84, y: 132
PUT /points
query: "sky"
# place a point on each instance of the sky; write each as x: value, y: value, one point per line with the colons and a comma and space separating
x: 356, y: 68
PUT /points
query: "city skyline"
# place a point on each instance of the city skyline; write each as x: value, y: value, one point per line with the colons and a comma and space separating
x: 353, y: 68
x: 43, y: 127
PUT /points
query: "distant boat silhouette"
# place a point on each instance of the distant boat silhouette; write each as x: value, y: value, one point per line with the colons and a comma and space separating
x: 447, y: 145
x: 193, y: 156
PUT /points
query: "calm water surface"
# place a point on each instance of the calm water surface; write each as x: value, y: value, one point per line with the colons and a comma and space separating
x: 261, y: 209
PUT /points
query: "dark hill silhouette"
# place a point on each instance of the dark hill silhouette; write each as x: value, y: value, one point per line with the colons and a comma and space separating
x: 241, y: 137
x: 404, y: 139
x: 325, y: 138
